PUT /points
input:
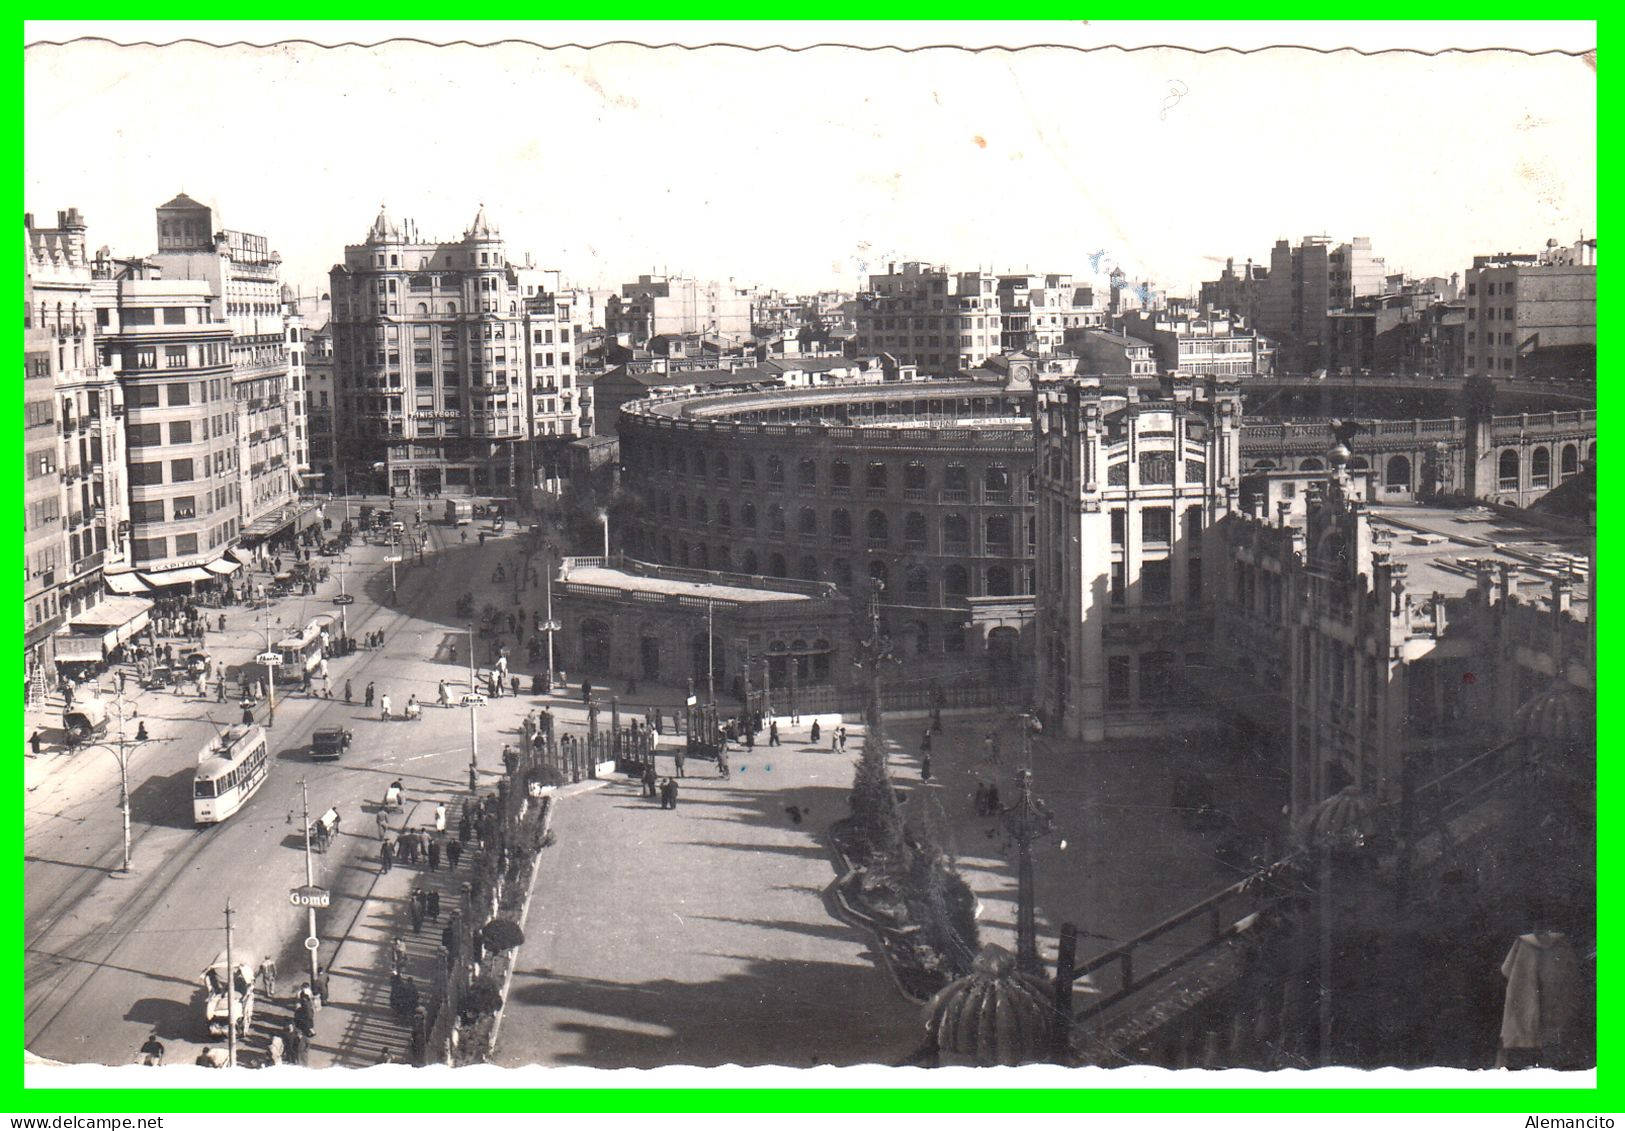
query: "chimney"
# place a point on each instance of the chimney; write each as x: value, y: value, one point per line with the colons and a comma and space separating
x: 1283, y: 511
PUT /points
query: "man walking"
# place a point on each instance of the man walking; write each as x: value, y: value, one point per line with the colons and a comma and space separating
x: 347, y: 694
x: 383, y: 825
x: 454, y: 852
x: 386, y: 857
x: 434, y: 856
x: 679, y: 758
x: 417, y: 912
x: 773, y: 732
x: 434, y: 905
x: 370, y: 695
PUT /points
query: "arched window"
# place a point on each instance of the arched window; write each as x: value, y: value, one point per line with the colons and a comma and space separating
x: 699, y: 464
x: 878, y: 571
x: 775, y: 520
x: 1398, y: 473
x: 807, y: 522
x: 1359, y: 463
x: 807, y: 473
x: 840, y: 475
x: 809, y: 568
x: 875, y: 477
x: 775, y: 470
x: 720, y: 467
x: 1540, y: 467
x: 914, y: 530
x: 955, y: 581
x: 1263, y: 465
x: 776, y: 567
x: 998, y: 581
x: 747, y: 515
x: 1508, y: 469
x: 725, y: 518
x: 955, y: 478
x: 747, y: 470
x: 1311, y: 464
x: 1571, y: 460
x: 702, y: 512
x: 747, y: 561
x: 997, y: 529
x: 877, y: 528
x: 841, y: 570
x: 724, y: 558
x: 423, y: 308
x: 840, y: 523
x: 916, y: 584
x: 915, y: 477
x: 955, y: 534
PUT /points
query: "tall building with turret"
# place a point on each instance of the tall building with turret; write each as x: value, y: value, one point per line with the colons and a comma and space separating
x: 436, y: 347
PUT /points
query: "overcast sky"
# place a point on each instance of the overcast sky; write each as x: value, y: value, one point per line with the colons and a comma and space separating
x: 809, y: 170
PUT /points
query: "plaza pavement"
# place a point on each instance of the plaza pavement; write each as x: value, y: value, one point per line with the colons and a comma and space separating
x: 705, y: 936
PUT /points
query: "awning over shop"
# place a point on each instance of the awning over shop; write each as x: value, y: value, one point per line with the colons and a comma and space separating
x: 113, y: 621
x: 225, y: 567
x: 124, y: 583
x: 241, y: 557
x: 305, y: 514
x: 177, y: 576
x: 75, y: 649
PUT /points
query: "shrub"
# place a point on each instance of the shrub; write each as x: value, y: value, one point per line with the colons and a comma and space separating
x: 482, y: 997
x: 503, y: 934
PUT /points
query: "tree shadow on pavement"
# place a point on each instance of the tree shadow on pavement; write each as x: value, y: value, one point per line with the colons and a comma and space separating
x: 770, y: 1012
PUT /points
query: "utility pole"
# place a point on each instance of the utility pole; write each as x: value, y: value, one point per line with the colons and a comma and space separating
x: 231, y: 996
x: 473, y: 726
x: 710, y: 653
x: 310, y: 881
x: 746, y: 644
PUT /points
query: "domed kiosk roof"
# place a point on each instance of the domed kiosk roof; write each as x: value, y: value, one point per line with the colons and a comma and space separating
x: 994, y: 1015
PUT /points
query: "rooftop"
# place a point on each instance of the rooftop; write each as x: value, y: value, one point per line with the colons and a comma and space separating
x: 1443, y: 546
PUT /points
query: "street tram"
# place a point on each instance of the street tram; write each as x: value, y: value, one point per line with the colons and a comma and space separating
x: 301, y: 652
x: 229, y: 771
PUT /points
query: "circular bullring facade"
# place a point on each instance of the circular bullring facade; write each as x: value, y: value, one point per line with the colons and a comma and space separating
x: 925, y: 488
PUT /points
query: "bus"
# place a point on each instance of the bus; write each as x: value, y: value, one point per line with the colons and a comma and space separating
x: 303, y: 652
x: 459, y: 512
x: 229, y: 771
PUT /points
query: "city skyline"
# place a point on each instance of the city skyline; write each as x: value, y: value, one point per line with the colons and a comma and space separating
x: 866, y: 159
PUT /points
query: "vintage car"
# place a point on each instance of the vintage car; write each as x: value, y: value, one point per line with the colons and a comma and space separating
x: 329, y: 744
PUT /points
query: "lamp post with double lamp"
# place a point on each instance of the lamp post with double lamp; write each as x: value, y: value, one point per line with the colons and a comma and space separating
x: 122, y: 751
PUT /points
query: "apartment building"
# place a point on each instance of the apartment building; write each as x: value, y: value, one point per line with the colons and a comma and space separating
x: 924, y: 315
x: 1524, y: 309
x: 661, y: 304
x: 74, y: 516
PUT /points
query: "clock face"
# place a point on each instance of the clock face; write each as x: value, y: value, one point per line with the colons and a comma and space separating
x: 1023, y: 373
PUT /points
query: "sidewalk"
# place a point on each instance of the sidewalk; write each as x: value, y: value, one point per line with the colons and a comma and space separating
x: 358, y: 1026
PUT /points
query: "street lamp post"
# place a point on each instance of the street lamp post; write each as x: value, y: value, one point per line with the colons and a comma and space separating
x: 1027, y: 820
x: 122, y: 755
x: 603, y: 517
x: 473, y: 706
x: 549, y: 626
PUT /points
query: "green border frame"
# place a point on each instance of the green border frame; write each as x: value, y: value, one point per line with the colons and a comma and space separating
x: 1608, y: 1096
